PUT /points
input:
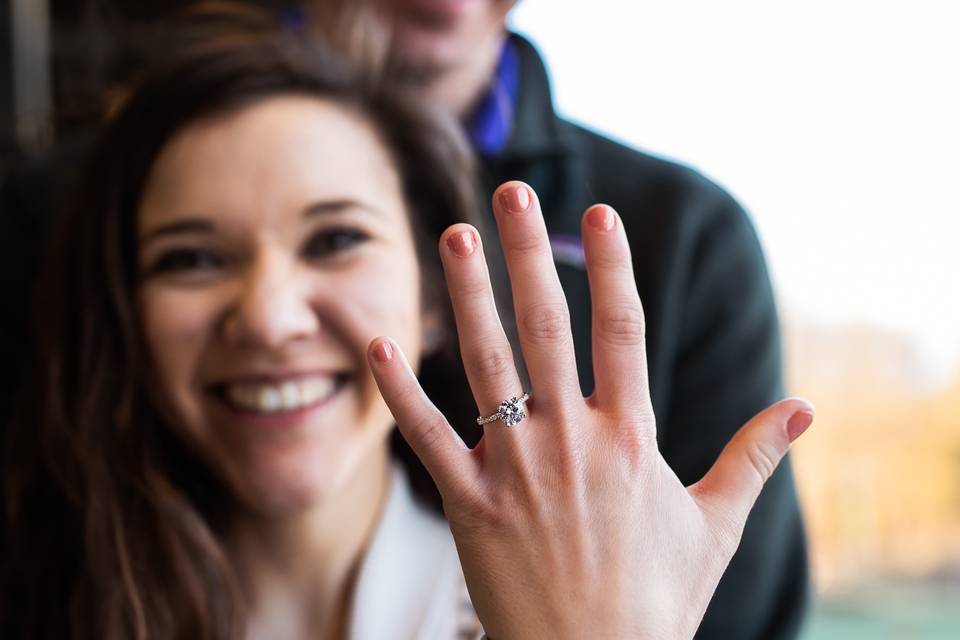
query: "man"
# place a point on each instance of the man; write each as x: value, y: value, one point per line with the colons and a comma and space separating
x: 712, y: 331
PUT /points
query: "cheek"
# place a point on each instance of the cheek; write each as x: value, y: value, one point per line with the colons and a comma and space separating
x: 380, y: 298
x: 384, y: 298
x: 177, y: 326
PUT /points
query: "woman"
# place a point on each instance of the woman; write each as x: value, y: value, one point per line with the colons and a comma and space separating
x: 252, y: 179
x: 205, y: 452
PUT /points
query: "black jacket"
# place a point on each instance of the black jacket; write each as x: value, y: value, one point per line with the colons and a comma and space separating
x: 712, y: 333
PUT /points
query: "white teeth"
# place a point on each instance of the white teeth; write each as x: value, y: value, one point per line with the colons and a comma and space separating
x: 289, y: 396
x: 290, y: 393
x: 270, y: 399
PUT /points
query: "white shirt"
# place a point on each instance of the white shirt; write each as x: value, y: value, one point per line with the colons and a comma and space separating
x: 410, y: 585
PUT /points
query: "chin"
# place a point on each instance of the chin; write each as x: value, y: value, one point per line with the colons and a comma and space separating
x: 286, y: 493
x: 285, y: 482
x: 301, y: 480
x: 432, y: 50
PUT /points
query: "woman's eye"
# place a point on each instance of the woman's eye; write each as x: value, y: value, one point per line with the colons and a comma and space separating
x: 332, y: 241
x: 187, y: 260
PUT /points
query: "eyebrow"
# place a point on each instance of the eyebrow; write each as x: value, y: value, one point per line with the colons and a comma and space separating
x: 186, y: 225
x: 203, y: 225
x: 336, y: 206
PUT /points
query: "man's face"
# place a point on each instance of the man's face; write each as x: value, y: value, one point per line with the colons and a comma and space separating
x: 436, y: 35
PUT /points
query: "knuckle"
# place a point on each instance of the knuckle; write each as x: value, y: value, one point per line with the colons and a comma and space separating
x: 426, y: 425
x: 490, y: 363
x: 480, y: 512
x: 470, y: 514
x: 622, y: 325
x: 430, y: 431
x: 763, y: 458
x: 471, y: 288
x: 546, y: 323
x: 636, y: 443
x: 610, y: 260
x: 408, y: 395
x: 527, y: 243
x: 401, y: 398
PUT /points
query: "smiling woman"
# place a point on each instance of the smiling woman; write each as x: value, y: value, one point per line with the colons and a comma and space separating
x: 203, y: 442
x: 275, y: 243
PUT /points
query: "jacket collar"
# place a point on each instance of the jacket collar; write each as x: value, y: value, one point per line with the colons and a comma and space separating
x: 537, y: 130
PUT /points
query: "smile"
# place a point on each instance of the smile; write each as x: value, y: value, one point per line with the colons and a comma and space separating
x: 280, y: 397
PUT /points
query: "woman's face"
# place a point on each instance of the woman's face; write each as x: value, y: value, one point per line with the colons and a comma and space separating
x: 274, y: 244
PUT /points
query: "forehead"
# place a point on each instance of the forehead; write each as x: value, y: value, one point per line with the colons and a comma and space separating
x: 278, y: 154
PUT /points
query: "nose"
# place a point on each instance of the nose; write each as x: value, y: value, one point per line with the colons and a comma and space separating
x: 273, y: 306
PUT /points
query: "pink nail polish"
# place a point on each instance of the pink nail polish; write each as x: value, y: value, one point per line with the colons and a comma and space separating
x: 798, y: 423
x: 383, y: 352
x: 601, y: 218
x: 515, y: 199
x: 463, y: 244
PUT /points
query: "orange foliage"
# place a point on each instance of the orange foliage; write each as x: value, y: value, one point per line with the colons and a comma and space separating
x: 879, y: 475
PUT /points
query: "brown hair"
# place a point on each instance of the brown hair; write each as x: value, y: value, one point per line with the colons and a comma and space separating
x: 112, y: 527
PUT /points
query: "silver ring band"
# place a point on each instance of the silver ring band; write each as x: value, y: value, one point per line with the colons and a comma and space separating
x: 510, y: 412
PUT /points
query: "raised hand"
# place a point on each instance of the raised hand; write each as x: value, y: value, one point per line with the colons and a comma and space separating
x: 570, y: 524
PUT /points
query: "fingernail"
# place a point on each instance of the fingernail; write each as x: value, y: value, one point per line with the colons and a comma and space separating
x: 383, y: 352
x: 515, y: 199
x: 798, y: 423
x: 463, y: 244
x: 601, y: 218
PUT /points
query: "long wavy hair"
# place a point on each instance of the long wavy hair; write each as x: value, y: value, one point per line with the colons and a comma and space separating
x: 112, y: 527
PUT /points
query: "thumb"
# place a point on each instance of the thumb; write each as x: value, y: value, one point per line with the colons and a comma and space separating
x: 732, y: 485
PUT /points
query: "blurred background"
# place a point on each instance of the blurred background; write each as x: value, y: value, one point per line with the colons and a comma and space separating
x: 836, y: 124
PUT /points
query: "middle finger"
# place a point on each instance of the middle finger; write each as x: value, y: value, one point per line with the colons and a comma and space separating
x: 543, y: 319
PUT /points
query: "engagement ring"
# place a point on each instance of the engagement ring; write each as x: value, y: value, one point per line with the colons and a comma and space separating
x: 510, y: 412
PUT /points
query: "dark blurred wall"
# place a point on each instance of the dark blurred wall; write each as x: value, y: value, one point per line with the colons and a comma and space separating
x: 7, y: 145
x: 68, y: 53
x: 98, y: 44
x: 6, y: 83
x: 88, y: 46
x: 93, y: 42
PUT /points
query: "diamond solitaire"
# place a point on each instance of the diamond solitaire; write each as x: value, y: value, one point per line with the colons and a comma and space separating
x: 510, y: 412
